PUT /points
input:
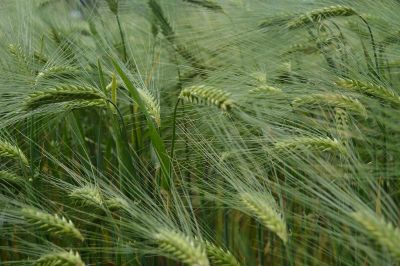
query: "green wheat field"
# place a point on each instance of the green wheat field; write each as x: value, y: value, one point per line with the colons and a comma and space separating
x: 200, y: 132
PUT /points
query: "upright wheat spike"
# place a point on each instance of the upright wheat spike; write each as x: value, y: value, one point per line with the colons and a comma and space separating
x: 310, y: 144
x: 62, y: 258
x: 87, y: 196
x: 64, y: 93
x: 331, y: 100
x: 320, y: 14
x: 265, y: 211
x: 181, y: 247
x: 219, y: 256
x: 383, y: 232
x: 370, y: 89
x: 207, y: 95
x: 7, y: 150
x: 52, y: 223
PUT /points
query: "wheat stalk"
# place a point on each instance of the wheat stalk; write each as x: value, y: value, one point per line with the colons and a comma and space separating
x: 207, y: 95
x: 52, y: 223
x: 383, y: 232
x: 181, y: 247
x: 310, y: 144
x: 219, y: 256
x: 320, y: 14
x: 369, y: 89
x: 331, y: 100
x: 61, y: 94
x: 61, y: 258
x: 7, y: 150
x: 265, y: 212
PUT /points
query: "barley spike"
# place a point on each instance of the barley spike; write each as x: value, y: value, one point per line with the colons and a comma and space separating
x: 52, y: 223
x: 208, y: 96
x: 320, y: 14
x: 181, y: 247
x: 385, y: 233
x: 63, y: 258
x: 266, y: 213
x: 7, y: 150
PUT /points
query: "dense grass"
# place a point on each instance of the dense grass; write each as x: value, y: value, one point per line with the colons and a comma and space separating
x: 199, y: 132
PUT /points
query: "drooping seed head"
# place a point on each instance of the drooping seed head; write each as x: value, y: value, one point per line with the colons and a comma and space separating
x: 57, y: 225
x: 181, y: 247
x: 385, y: 233
x: 320, y: 14
x: 9, y: 151
x: 63, y: 258
x: 61, y: 94
x: 207, y: 95
x: 331, y: 100
x: 265, y: 211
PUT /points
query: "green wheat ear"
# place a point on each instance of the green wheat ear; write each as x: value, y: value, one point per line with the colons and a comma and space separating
x: 62, y: 94
x: 87, y: 196
x: 8, y: 177
x: 181, y: 247
x: 212, y: 5
x: 319, y: 144
x: 7, y: 150
x: 369, y: 89
x: 207, y: 95
x: 265, y: 212
x: 63, y: 258
x: 219, y: 256
x: 57, y: 225
x: 56, y: 71
x: 320, y: 14
x: 333, y: 101
x: 382, y: 231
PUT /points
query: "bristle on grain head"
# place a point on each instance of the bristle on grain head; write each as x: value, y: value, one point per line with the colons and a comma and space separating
x: 207, y: 95
x: 60, y: 258
x: 320, y: 14
x: 54, y: 224
x: 265, y: 211
x: 61, y: 94
x: 181, y: 247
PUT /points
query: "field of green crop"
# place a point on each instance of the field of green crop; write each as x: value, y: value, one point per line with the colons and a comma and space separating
x: 200, y: 132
